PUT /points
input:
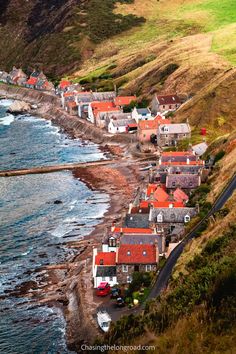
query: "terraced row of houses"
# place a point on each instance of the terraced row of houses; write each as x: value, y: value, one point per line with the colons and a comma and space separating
x: 155, y: 221
x: 108, y: 111
x: 37, y: 79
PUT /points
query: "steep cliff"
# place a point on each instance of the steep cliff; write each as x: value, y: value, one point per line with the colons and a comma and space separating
x: 56, y: 34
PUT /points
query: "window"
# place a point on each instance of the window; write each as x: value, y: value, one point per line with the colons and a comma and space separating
x: 144, y: 135
x: 159, y: 218
x: 176, y: 106
x: 129, y: 279
x: 186, y: 218
x: 173, y: 184
x: 128, y: 253
x: 103, y: 278
x: 110, y: 278
x: 163, y: 106
x: 169, y: 106
x: 144, y: 253
x: 148, y: 268
x: 124, y: 268
x: 190, y: 184
x: 101, y: 262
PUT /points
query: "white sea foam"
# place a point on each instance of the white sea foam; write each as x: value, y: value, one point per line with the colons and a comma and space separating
x: 61, y: 231
x: 6, y: 103
x: 7, y: 120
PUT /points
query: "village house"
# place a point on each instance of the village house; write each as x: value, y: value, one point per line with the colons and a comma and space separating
x: 165, y: 103
x: 63, y: 86
x: 33, y: 79
x: 96, y: 107
x: 69, y: 96
x: 148, y: 128
x: 121, y: 126
x: 104, y: 267
x: 122, y: 101
x: 142, y: 239
x: 170, y: 219
x: 71, y: 108
x: 170, y: 134
x: 187, y: 182
x: 4, y: 76
x: 141, y: 114
x: 44, y: 85
x: 108, y: 116
x: 17, y: 77
x: 132, y: 258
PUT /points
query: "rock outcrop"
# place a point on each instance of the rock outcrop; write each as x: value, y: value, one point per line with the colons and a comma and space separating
x: 19, y: 107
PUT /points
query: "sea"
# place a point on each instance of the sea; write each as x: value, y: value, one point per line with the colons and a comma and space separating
x: 34, y: 230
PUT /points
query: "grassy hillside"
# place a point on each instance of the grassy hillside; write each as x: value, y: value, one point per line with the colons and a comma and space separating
x: 184, y: 46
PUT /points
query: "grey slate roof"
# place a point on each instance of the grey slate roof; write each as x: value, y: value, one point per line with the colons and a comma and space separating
x: 172, y: 215
x: 178, y: 158
x: 123, y: 122
x: 137, y: 221
x: 107, y: 271
x: 143, y: 111
x: 135, y: 239
x: 185, y: 181
x: 181, y: 168
x: 178, y: 128
x: 104, y: 96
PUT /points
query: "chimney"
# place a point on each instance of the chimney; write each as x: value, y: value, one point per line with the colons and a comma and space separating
x: 157, y: 251
x: 150, y: 213
x: 130, y: 208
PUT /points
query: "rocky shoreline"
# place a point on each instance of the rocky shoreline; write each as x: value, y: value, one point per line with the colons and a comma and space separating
x: 70, y: 285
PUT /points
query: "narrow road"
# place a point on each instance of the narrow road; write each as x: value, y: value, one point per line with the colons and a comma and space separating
x: 165, y: 273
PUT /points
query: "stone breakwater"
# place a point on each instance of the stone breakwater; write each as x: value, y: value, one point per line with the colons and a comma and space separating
x: 48, y: 107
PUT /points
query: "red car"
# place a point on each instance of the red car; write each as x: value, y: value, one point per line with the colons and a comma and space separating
x: 103, y: 289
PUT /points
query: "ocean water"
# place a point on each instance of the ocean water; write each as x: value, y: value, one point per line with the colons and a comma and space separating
x: 34, y: 231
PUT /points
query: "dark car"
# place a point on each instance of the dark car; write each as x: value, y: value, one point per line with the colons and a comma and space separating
x: 115, y: 293
x: 120, y: 302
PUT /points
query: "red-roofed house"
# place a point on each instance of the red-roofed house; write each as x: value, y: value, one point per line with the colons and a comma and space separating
x: 104, y: 267
x: 148, y: 128
x: 121, y: 101
x: 180, y: 196
x: 132, y: 258
x: 96, y: 107
x: 71, y: 107
x: 31, y: 82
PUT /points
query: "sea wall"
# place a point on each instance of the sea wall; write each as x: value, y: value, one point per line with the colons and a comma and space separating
x: 49, y: 108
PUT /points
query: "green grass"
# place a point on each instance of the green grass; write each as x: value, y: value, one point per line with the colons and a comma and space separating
x: 219, y: 12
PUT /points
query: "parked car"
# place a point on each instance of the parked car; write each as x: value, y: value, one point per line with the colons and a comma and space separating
x: 120, y: 302
x: 103, y: 289
x: 115, y: 293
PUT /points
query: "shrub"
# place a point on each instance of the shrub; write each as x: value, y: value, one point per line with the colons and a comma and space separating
x: 219, y: 156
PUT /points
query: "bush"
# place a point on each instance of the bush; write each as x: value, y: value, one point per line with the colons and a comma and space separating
x: 219, y: 156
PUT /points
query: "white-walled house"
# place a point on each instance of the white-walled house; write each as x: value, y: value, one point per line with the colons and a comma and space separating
x: 121, y: 125
x: 104, y: 268
x: 141, y: 114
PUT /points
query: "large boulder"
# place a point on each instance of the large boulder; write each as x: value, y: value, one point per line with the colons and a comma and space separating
x: 19, y: 107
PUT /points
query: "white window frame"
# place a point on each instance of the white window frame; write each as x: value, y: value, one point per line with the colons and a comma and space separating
x: 103, y: 278
x: 125, y: 268
x: 148, y: 267
x: 129, y: 279
x: 159, y: 218
x: 187, y: 218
